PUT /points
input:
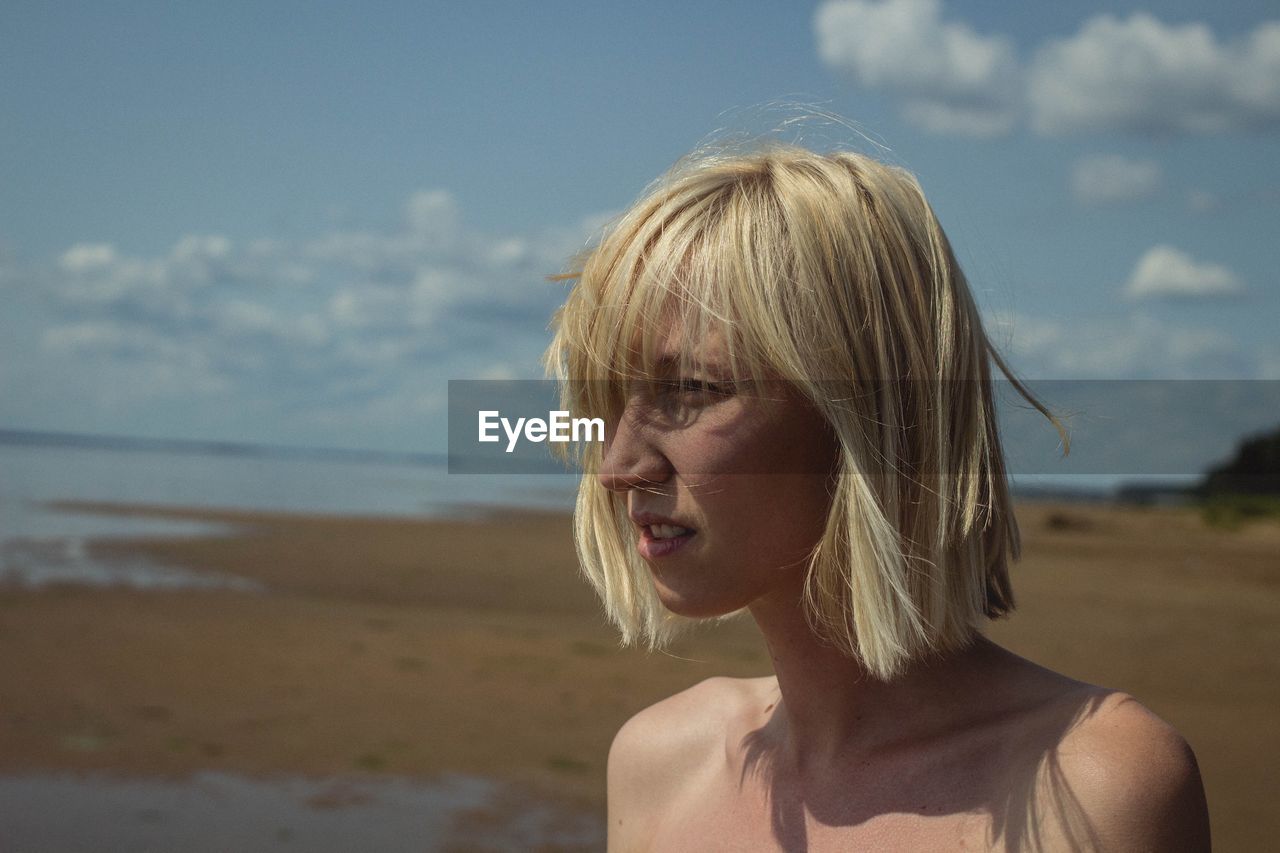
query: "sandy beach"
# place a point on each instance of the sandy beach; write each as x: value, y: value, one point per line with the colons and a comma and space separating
x: 419, y: 647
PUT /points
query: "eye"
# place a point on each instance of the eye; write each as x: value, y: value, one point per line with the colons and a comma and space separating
x: 680, y: 400
x: 699, y: 389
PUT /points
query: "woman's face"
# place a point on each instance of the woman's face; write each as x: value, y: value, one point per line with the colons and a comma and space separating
x: 727, y: 487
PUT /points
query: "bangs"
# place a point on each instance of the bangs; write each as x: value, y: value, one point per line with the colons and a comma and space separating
x: 827, y: 277
x: 666, y: 286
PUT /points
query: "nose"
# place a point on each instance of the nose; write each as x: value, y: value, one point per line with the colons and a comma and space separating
x: 631, y: 459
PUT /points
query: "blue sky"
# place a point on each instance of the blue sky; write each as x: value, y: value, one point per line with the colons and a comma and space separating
x: 294, y: 222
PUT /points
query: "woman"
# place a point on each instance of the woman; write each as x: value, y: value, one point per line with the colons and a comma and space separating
x: 800, y: 420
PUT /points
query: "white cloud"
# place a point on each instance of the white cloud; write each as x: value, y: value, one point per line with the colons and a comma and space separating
x: 497, y: 373
x: 509, y: 253
x: 950, y: 79
x: 1111, y: 178
x: 240, y: 317
x: 1137, y: 75
x: 1166, y: 272
x: 88, y: 257
x: 416, y: 303
x: 97, y: 277
x: 201, y: 248
x: 102, y: 337
x: 135, y: 362
x: 1146, y: 76
x: 349, y: 318
x: 198, y: 260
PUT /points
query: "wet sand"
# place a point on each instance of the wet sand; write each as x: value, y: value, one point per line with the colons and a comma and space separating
x: 419, y: 647
x: 212, y: 812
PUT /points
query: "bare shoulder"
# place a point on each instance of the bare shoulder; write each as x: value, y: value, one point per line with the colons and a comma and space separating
x: 666, y: 744
x: 1135, y: 778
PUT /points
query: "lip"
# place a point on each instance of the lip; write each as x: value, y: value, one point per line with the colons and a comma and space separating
x: 644, y: 519
x: 651, y: 548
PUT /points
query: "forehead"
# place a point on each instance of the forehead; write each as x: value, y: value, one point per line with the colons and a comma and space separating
x: 676, y: 345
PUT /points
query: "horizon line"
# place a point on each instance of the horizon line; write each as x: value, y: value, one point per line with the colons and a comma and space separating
x: 212, y: 447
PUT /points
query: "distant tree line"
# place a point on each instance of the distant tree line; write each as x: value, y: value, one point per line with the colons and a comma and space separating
x: 1254, y: 470
x: 1245, y: 488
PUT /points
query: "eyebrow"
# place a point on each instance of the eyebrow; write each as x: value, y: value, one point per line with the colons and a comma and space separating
x: 669, y: 362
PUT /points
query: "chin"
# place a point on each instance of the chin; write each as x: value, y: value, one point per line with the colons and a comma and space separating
x: 696, y: 605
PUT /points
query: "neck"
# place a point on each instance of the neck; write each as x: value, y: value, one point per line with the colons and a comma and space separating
x: 830, y: 709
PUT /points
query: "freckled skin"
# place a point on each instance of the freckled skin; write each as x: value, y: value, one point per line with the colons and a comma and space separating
x: 749, y: 471
x: 983, y: 750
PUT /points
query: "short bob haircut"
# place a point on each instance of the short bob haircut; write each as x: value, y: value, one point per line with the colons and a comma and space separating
x: 831, y: 272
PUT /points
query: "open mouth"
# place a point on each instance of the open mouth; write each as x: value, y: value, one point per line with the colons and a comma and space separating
x: 666, y: 531
x: 660, y: 540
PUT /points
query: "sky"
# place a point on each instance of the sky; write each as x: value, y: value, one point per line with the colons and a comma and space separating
x: 293, y: 223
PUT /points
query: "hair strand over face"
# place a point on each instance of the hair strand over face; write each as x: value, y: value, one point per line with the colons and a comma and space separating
x: 830, y: 272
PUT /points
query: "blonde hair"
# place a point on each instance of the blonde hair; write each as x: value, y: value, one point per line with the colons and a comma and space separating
x: 832, y: 272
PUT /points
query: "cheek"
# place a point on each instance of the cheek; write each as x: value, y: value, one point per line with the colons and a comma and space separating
x: 767, y: 521
x: 758, y: 531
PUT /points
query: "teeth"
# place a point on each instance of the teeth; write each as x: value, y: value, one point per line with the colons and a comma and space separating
x: 666, y: 531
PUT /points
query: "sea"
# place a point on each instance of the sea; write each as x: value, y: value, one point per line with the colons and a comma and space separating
x: 42, y: 542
